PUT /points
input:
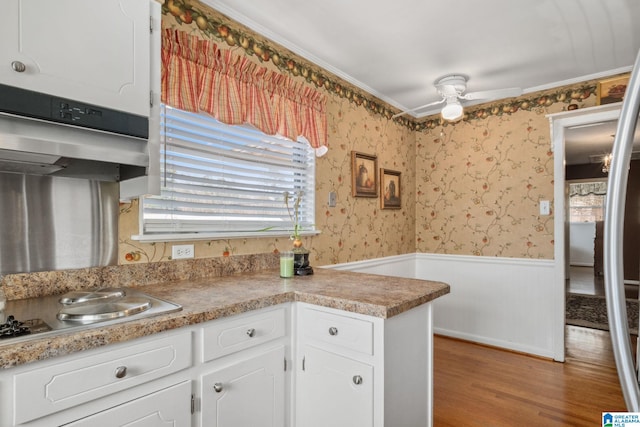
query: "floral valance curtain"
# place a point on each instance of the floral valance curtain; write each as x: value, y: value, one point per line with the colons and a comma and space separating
x: 199, y: 76
x: 586, y: 188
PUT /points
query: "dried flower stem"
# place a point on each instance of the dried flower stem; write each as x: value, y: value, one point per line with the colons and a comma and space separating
x: 295, y: 215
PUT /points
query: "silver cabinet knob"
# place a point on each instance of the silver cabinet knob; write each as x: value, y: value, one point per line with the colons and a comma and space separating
x: 357, y: 379
x: 251, y: 332
x: 121, y: 371
x: 217, y: 387
x: 18, y: 66
x: 333, y: 331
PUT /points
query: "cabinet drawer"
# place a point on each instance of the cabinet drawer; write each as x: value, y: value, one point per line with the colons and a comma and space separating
x: 229, y: 336
x: 338, y: 330
x: 64, y: 385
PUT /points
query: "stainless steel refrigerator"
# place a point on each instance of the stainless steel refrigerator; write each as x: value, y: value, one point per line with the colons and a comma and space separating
x: 613, y: 239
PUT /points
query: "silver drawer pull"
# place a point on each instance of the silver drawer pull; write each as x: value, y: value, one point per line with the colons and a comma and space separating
x: 217, y: 387
x: 251, y: 332
x: 18, y: 66
x: 357, y: 379
x: 121, y: 371
x: 333, y: 331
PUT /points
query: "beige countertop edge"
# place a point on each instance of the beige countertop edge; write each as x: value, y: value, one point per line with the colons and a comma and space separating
x: 20, y: 353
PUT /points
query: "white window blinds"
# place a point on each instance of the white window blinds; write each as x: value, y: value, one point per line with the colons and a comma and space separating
x: 227, y: 180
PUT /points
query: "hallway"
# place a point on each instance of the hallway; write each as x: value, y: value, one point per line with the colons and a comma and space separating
x: 582, y: 281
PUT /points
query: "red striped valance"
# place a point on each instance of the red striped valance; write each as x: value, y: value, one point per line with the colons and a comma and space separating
x: 199, y: 76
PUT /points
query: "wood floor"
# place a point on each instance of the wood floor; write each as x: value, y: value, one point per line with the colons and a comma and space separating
x: 476, y: 385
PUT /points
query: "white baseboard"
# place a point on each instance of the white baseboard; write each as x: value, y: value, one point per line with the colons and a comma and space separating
x: 484, y: 340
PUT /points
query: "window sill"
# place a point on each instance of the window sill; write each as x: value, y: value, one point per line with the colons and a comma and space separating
x: 186, y: 237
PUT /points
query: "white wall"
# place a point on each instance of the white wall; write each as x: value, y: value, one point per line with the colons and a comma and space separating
x: 503, y: 302
x: 581, y: 237
x: 398, y: 266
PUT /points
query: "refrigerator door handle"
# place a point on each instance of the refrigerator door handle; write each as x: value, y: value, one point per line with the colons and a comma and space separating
x: 613, y: 239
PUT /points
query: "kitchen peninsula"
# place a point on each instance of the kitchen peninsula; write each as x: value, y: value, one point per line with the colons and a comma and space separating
x: 238, y: 317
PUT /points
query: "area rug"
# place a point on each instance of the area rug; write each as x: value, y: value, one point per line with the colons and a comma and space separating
x: 591, y: 311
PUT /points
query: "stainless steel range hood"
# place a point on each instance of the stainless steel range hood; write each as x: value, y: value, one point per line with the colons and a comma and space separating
x: 34, y: 146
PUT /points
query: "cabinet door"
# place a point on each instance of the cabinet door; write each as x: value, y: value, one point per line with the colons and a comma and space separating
x: 97, y: 52
x: 248, y: 393
x: 333, y: 391
x: 170, y: 407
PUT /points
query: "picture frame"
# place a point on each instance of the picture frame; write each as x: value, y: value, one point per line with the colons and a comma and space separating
x: 390, y: 189
x: 364, y: 180
x: 612, y: 90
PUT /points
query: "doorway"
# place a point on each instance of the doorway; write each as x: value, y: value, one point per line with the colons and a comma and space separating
x: 561, y: 124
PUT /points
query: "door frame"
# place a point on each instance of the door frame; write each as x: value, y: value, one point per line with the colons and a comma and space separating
x: 559, y: 122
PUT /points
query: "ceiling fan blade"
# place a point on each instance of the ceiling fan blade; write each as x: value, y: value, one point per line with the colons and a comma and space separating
x: 493, y: 94
x: 418, y: 108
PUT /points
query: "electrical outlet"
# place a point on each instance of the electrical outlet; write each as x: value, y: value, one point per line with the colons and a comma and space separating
x: 181, y: 251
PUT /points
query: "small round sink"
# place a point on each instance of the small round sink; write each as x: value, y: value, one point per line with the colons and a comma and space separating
x: 98, y: 311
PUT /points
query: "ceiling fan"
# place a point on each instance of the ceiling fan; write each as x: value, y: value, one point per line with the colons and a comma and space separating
x: 451, y: 87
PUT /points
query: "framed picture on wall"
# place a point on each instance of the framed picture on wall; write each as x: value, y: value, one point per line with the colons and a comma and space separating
x: 390, y: 193
x: 364, y: 182
x: 612, y: 90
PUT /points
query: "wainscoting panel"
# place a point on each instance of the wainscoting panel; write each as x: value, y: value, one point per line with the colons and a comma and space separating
x: 504, y: 302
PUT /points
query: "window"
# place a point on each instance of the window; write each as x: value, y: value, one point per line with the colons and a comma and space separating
x: 586, y: 201
x: 221, y: 181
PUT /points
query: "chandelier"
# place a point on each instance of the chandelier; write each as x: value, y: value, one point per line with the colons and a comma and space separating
x: 606, y: 162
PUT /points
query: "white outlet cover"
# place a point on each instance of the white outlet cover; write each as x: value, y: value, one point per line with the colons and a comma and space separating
x: 182, y: 251
x: 545, y: 208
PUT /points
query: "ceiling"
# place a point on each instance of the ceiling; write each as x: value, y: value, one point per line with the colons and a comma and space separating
x: 585, y: 144
x: 396, y: 50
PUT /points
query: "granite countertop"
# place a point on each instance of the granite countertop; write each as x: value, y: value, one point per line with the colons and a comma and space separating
x: 205, y: 299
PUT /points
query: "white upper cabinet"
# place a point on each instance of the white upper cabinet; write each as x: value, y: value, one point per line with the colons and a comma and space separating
x: 97, y: 52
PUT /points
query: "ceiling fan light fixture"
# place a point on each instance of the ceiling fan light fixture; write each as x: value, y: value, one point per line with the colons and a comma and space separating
x: 452, y: 111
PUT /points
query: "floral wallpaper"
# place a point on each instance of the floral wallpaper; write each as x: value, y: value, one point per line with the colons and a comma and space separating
x: 479, y: 183
x: 469, y: 188
x: 357, y: 228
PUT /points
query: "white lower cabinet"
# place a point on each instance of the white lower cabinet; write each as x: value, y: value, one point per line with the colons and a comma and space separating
x: 169, y: 407
x: 125, y: 384
x: 354, y: 370
x: 334, y: 391
x: 247, y: 393
x: 291, y: 365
